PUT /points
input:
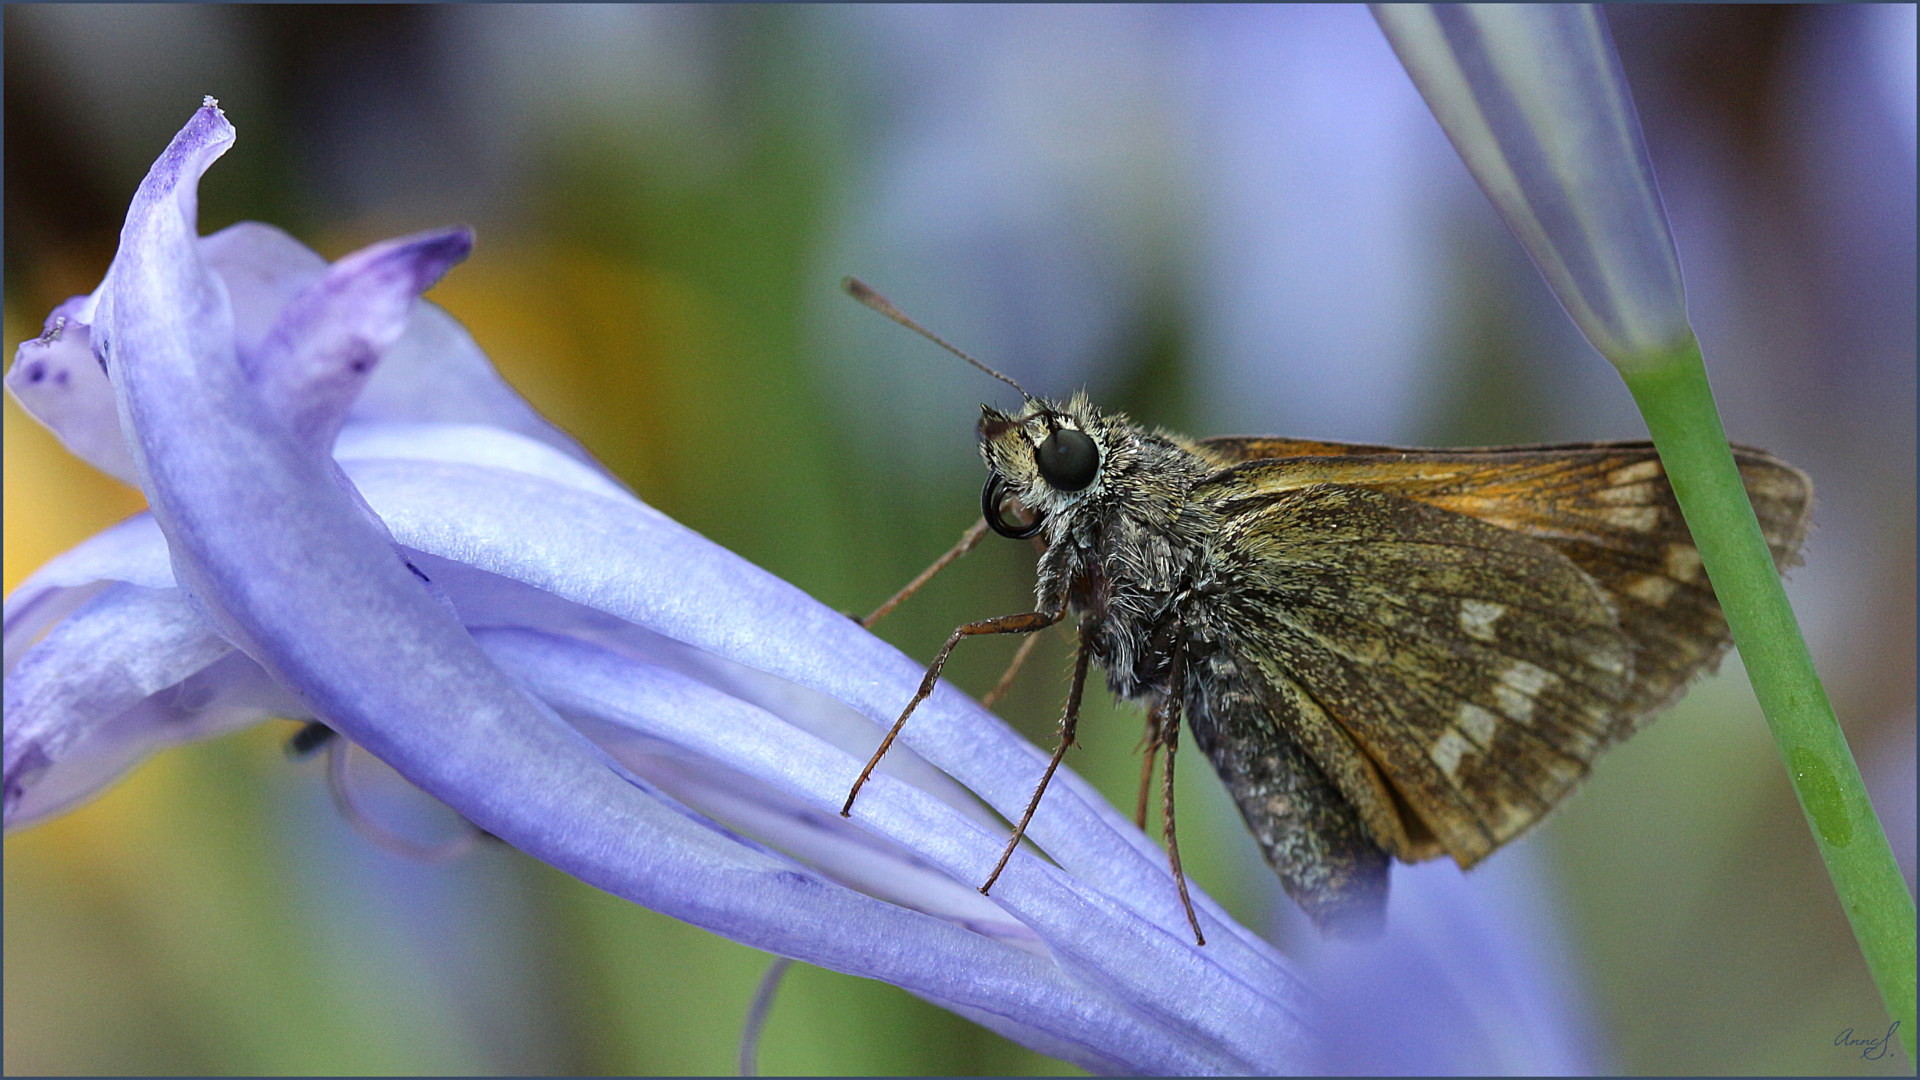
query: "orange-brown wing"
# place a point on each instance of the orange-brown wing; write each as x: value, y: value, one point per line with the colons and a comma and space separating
x: 1228, y: 450
x: 1454, y: 635
x: 1451, y: 678
x: 1605, y: 506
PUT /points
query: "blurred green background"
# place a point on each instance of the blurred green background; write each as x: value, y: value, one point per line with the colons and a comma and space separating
x: 1219, y: 219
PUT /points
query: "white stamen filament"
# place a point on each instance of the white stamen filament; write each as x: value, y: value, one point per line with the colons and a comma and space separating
x: 340, y: 784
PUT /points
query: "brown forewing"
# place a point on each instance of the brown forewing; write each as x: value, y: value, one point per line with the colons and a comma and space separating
x: 1455, y: 634
x: 1451, y: 677
x: 1606, y: 506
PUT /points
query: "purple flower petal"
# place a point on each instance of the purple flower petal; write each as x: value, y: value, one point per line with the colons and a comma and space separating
x: 1533, y: 98
x: 276, y: 551
x: 653, y: 641
x: 323, y: 349
x: 56, y: 378
x: 939, y: 845
x: 428, y: 371
x: 263, y: 269
x: 132, y: 551
x: 476, y: 444
x: 580, y: 680
x: 131, y: 671
x: 717, y: 602
x: 1471, y: 972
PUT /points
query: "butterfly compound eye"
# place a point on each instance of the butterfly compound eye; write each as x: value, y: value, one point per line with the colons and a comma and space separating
x: 1068, y: 459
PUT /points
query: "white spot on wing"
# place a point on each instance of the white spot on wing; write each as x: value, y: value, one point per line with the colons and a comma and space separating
x: 1447, y: 751
x: 1478, y: 616
x: 1768, y: 484
x: 1565, y: 774
x: 1626, y: 495
x: 1652, y: 588
x: 1478, y: 724
x: 1608, y: 661
x: 1636, y: 518
x: 1636, y: 473
x: 1519, y: 685
x: 1683, y: 562
x: 1514, y: 816
x: 1527, y: 678
x: 1517, y: 706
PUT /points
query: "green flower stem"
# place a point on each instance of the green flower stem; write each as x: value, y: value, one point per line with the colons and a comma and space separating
x: 1678, y: 405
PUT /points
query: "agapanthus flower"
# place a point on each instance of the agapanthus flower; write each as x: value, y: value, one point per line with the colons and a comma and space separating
x: 1534, y: 100
x: 354, y: 520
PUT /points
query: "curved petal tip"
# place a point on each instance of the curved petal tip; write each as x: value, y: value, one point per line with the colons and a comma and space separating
x: 204, y: 137
x: 426, y: 255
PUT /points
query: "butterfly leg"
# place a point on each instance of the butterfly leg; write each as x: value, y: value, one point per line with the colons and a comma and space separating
x: 1000, y: 688
x: 1005, y: 624
x: 1068, y: 720
x: 1169, y: 725
x: 968, y: 540
x: 1150, y: 751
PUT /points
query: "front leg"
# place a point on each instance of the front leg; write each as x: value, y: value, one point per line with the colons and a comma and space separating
x: 1006, y: 624
x: 1068, y: 721
x: 1165, y: 720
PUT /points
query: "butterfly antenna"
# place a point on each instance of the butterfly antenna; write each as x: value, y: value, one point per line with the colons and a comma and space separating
x: 860, y: 291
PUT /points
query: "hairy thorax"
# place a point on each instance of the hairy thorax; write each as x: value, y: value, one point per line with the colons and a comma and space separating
x: 1137, y: 570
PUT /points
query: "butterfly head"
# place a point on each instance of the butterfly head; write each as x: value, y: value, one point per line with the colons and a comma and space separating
x: 1048, y: 458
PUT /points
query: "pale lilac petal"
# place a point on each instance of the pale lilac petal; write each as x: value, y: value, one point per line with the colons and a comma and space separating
x: 135, y: 552
x: 487, y: 600
x: 32, y: 612
x: 688, y: 714
x: 56, y: 378
x: 653, y: 703
x: 260, y: 531
x: 714, y: 601
x: 476, y: 444
x: 435, y: 372
x: 673, y: 712
x: 280, y: 557
x: 67, y: 733
x: 60, y: 382
x: 429, y: 371
x: 1472, y: 970
x: 1533, y: 97
x: 672, y: 659
x: 323, y: 349
x: 132, y: 551
x: 263, y: 269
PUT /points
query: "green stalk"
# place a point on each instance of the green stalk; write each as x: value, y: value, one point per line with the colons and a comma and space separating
x: 1677, y: 402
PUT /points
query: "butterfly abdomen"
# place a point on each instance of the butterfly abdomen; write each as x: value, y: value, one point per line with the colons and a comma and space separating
x: 1308, y: 831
